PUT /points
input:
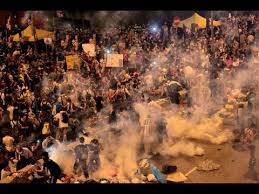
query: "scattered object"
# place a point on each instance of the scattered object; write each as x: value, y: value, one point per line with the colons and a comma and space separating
x: 144, y: 166
x: 208, y: 165
x: 104, y: 181
x: 176, y: 177
x: 156, y: 172
x: 167, y: 169
x: 179, y: 177
x: 151, y: 178
x: 191, y: 171
x: 60, y: 182
x: 143, y: 178
x: 90, y: 181
x: 136, y: 180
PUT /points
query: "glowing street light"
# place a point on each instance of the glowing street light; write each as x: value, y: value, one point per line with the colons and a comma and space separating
x: 154, y: 28
x: 108, y: 51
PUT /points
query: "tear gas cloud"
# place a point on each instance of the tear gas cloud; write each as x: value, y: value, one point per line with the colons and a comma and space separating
x: 120, y: 153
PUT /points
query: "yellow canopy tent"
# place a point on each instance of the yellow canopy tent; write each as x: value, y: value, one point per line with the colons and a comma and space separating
x: 25, y: 33
x: 41, y: 34
x: 196, y: 19
x: 28, y: 34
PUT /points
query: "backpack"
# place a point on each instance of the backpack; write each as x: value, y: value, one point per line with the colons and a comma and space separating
x: 64, y: 117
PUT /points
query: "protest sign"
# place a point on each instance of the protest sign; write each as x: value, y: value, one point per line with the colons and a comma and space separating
x: 73, y: 62
x: 114, y: 60
x: 89, y: 48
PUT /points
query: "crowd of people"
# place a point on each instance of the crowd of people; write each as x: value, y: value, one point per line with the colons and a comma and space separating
x: 43, y: 102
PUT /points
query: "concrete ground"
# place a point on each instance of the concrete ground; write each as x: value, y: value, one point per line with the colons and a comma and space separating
x: 234, y: 164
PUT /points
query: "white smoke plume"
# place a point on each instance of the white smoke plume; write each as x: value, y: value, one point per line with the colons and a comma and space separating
x: 63, y: 157
x: 119, y: 153
x: 181, y: 148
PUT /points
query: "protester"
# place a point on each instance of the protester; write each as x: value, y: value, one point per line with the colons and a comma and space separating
x: 24, y: 157
x: 93, y: 153
x: 81, y: 152
x: 62, y: 118
x: 51, y: 168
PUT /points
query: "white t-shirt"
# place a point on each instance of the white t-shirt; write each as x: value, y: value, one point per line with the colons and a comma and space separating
x: 8, y: 142
x: 60, y: 118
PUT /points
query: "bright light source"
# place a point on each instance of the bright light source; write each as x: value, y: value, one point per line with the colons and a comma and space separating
x: 154, y: 28
x: 108, y: 51
x: 154, y: 63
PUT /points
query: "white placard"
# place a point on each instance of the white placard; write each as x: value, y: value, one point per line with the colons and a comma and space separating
x: 73, y: 62
x: 114, y: 60
x: 89, y: 48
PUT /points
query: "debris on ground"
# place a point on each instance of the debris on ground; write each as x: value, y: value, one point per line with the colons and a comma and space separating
x: 156, y: 172
x: 144, y: 164
x: 136, y: 180
x: 143, y: 178
x: 90, y: 181
x: 167, y: 169
x: 208, y: 165
x: 104, y: 181
x: 178, y: 177
x: 151, y: 178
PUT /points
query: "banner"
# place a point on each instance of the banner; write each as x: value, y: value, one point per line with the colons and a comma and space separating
x: 73, y: 62
x: 89, y: 48
x: 114, y: 60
